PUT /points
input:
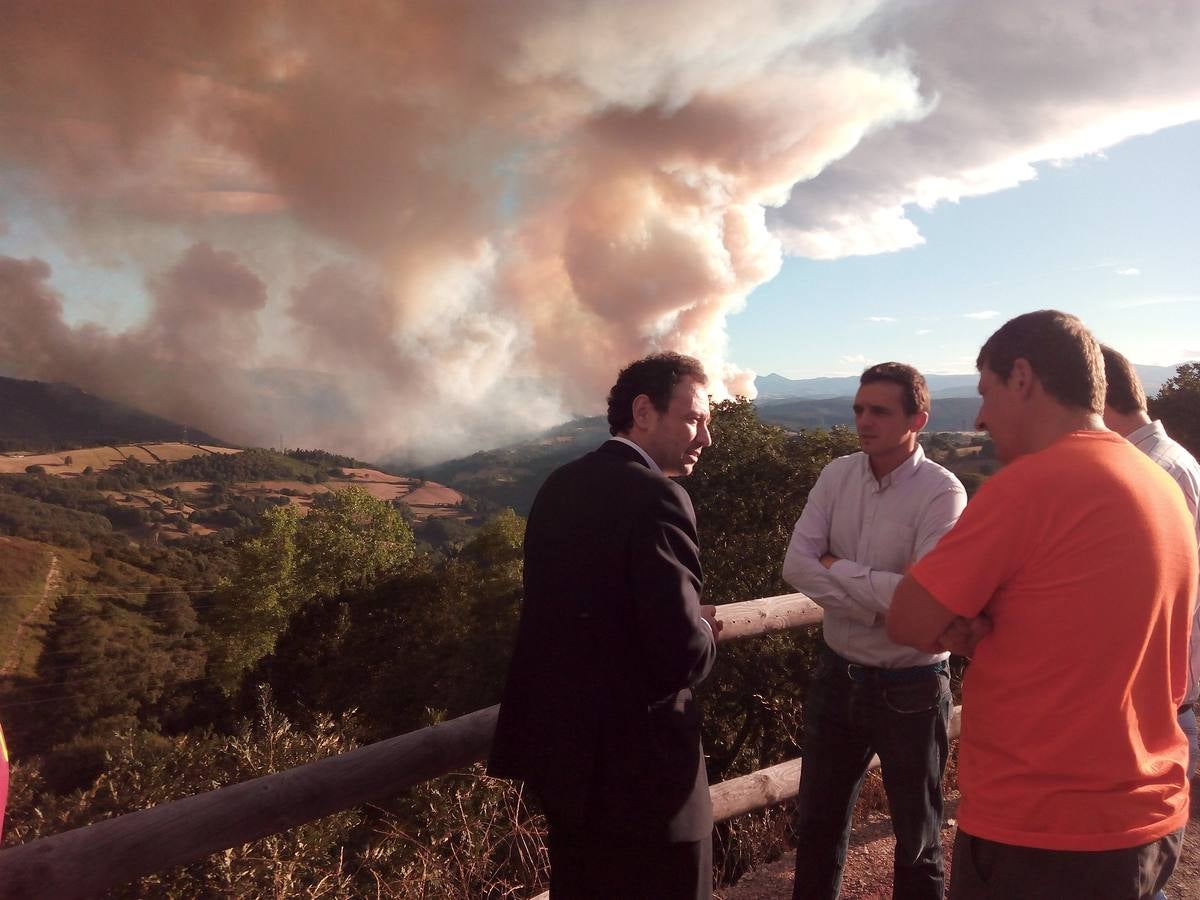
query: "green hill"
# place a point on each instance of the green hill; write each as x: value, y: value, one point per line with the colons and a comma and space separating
x: 44, y: 416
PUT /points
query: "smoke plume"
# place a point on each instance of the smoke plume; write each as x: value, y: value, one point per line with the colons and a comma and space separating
x: 426, y: 226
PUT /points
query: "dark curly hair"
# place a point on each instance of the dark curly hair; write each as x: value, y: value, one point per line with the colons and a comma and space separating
x: 656, y: 377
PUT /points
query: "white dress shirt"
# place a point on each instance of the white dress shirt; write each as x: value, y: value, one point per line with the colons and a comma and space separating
x: 877, y: 529
x: 646, y: 456
x: 1153, y: 440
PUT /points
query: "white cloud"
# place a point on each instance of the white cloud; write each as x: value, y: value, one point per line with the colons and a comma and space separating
x: 881, y: 318
x: 1129, y: 270
x: 924, y: 331
x: 856, y: 360
x: 1009, y: 88
x: 985, y: 314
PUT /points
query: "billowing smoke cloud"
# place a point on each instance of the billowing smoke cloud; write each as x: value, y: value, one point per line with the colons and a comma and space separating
x: 453, y: 221
x: 184, y: 361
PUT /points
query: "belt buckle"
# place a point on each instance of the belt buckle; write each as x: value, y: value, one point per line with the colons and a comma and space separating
x: 857, y: 672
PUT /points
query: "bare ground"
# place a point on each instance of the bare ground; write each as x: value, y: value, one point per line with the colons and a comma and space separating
x: 868, y: 874
x: 13, y: 658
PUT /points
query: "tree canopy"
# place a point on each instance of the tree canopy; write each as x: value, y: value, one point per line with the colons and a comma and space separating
x: 1178, y: 405
x: 348, y: 541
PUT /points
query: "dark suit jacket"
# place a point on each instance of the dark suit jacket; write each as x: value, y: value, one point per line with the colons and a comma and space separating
x: 598, y: 716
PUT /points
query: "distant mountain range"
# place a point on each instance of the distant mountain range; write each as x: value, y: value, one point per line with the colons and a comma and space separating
x: 37, y: 415
x: 946, y: 414
x: 510, y: 476
x: 43, y: 416
x: 777, y: 387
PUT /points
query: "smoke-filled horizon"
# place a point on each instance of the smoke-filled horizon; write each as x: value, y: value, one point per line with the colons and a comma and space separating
x: 467, y: 216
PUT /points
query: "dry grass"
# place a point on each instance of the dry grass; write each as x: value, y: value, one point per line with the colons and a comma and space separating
x: 23, y: 569
x: 101, y: 458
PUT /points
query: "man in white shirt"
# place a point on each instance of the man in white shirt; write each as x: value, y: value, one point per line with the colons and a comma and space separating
x: 867, y: 519
x: 1125, y: 413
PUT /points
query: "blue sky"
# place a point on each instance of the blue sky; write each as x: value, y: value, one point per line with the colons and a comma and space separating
x: 1071, y: 239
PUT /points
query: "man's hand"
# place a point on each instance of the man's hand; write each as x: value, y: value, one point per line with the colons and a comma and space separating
x: 828, y: 559
x: 961, y: 635
x: 708, y: 612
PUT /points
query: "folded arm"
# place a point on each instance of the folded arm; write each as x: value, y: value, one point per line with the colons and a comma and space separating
x: 873, y: 588
x: 803, y: 568
x: 918, y: 620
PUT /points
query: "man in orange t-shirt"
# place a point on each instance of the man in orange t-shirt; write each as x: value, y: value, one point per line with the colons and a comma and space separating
x: 1074, y: 572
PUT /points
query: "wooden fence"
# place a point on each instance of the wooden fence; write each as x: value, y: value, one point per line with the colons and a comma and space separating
x: 89, y: 860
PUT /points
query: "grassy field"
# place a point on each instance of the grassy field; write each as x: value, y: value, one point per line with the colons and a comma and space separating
x: 73, y: 462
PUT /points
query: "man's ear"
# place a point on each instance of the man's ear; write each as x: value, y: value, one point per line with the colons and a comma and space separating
x: 1022, y: 377
x: 643, y: 411
x: 919, y: 421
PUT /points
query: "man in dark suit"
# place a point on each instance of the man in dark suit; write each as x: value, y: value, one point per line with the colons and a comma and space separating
x: 598, y: 716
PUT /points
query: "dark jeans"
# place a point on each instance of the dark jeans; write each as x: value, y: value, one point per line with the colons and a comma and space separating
x: 849, y: 717
x: 988, y: 870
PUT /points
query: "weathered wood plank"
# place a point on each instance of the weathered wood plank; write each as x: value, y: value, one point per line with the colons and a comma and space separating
x: 89, y: 860
x: 750, y: 618
x: 775, y: 784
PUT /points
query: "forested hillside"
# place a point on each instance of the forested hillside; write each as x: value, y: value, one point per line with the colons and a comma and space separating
x: 161, y: 670
x: 38, y: 416
x: 260, y: 646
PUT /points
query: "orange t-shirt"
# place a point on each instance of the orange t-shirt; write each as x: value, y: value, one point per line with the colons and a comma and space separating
x: 1084, y: 557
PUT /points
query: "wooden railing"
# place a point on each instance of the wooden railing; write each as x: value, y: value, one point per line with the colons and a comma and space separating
x: 89, y: 860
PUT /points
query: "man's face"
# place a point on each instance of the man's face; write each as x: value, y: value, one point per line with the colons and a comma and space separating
x: 884, y: 427
x: 999, y: 414
x: 674, y: 439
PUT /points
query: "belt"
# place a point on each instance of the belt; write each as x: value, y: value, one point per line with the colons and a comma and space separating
x: 1188, y: 707
x: 861, y: 673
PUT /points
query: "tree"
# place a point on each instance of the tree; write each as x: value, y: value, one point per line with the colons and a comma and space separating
x: 348, y: 541
x: 1178, y: 405
x: 430, y: 642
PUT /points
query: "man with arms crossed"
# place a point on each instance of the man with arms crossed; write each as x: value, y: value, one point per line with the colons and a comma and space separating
x: 597, y: 715
x: 867, y: 519
x: 1072, y: 577
x: 1125, y: 413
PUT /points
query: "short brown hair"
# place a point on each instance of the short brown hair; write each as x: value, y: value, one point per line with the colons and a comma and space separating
x: 1124, y: 392
x: 656, y: 377
x: 912, y: 384
x: 1060, y: 350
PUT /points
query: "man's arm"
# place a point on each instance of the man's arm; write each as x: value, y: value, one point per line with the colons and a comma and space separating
x: 803, y: 564
x: 918, y: 620
x: 873, y: 588
x: 680, y: 646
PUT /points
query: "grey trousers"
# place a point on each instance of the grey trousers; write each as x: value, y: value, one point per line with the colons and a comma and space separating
x: 988, y: 870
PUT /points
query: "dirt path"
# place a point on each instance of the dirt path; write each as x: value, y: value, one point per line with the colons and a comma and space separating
x: 13, y: 658
x: 868, y: 874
